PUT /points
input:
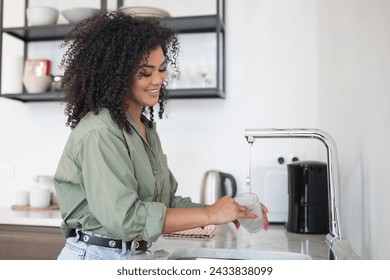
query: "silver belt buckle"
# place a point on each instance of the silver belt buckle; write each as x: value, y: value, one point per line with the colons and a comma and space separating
x: 135, y: 246
x: 112, y: 243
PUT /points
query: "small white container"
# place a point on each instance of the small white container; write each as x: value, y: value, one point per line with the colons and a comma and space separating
x: 36, y: 84
x: 22, y: 198
x: 41, y: 192
x: 40, y: 197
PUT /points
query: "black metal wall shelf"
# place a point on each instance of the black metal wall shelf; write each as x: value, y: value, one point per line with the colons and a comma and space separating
x: 57, y: 96
x: 35, y: 97
x: 194, y: 24
x: 190, y: 24
x: 39, y: 33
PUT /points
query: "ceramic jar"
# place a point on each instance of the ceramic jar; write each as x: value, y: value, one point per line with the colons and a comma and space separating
x: 41, y: 192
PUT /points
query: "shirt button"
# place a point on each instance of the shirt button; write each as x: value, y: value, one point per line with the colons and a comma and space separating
x: 155, y: 172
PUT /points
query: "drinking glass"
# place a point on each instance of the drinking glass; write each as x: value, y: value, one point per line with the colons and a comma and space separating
x: 251, y: 201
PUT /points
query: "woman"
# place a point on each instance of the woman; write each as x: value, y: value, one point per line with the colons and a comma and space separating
x: 115, y: 190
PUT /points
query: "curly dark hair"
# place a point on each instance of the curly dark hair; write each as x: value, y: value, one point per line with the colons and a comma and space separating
x: 104, y: 52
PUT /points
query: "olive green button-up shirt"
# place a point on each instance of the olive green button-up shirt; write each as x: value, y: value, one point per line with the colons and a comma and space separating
x: 115, y: 183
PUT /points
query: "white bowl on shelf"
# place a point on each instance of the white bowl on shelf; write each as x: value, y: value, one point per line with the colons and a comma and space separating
x: 35, y: 84
x: 144, y: 11
x: 41, y: 15
x: 75, y: 15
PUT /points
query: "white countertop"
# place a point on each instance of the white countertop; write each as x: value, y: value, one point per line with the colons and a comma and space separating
x: 276, y: 239
x: 48, y: 218
x: 226, y: 236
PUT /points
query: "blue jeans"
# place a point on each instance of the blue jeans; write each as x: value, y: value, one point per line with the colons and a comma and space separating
x: 77, y: 250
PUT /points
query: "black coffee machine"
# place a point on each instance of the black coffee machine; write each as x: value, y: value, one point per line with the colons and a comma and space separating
x: 308, y: 209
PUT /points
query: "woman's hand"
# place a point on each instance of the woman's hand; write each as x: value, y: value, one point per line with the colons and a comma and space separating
x: 265, y: 218
x: 223, y: 211
x: 226, y: 209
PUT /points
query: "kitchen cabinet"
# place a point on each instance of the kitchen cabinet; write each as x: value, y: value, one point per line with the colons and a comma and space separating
x: 19, y: 242
x: 201, y: 24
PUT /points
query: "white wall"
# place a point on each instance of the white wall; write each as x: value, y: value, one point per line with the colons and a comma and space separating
x: 290, y: 63
x: 354, y: 68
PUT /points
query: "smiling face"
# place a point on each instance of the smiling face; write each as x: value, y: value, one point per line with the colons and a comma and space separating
x: 148, y: 80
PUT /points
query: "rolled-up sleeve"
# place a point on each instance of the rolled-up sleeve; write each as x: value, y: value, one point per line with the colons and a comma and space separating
x: 184, y: 202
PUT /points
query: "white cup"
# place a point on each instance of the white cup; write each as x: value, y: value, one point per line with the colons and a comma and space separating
x: 22, y: 198
x: 251, y: 201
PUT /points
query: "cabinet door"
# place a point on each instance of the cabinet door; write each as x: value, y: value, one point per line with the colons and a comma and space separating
x: 30, y: 242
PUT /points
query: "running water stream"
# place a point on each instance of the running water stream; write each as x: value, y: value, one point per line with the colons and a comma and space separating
x: 250, y: 189
x: 250, y: 171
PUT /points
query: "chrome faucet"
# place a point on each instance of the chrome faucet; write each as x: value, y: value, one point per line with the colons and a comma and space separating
x: 339, y: 248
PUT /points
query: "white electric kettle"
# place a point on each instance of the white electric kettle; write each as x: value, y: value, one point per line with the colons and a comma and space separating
x: 216, y: 184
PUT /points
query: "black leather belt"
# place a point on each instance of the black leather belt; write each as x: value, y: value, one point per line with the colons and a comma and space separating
x: 112, y: 243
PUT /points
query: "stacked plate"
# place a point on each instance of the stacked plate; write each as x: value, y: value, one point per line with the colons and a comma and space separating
x: 143, y: 11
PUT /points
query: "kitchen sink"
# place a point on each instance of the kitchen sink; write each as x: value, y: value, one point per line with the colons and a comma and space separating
x: 227, y: 254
